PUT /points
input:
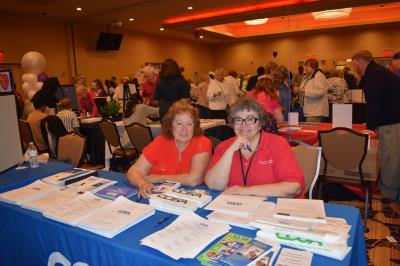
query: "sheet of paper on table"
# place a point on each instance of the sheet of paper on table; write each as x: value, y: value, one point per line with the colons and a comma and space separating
x: 291, y: 257
x: 27, y: 193
x: 342, y: 115
x: 301, y: 209
x: 235, y: 204
x: 186, y: 237
x: 293, y: 118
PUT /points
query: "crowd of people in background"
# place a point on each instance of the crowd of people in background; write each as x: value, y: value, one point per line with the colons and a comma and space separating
x: 268, y: 95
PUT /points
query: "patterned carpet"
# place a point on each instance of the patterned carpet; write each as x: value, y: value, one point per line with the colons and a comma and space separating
x: 383, y: 238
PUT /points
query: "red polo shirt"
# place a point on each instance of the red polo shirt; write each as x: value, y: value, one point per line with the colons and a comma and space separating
x: 164, y: 156
x: 273, y: 162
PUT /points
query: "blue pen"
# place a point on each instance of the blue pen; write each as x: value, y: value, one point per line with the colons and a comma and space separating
x: 164, y: 219
x: 248, y: 148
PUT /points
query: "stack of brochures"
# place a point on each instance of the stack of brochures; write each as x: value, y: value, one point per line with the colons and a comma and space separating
x: 27, y: 193
x: 68, y: 176
x: 57, y: 198
x: 303, y: 224
x: 235, y: 249
x: 114, y: 191
x: 116, y: 217
x: 177, y: 200
x: 186, y: 237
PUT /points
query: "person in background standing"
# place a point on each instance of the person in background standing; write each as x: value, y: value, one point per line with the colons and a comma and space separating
x: 253, y: 79
x: 123, y: 92
x: 298, y: 77
x: 338, y: 92
x: 395, y: 64
x: 97, y: 88
x: 172, y: 86
x: 314, y: 88
x: 150, y: 75
x: 350, y: 79
x: 382, y: 94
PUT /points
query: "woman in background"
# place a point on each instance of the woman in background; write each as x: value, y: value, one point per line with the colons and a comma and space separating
x: 266, y: 94
x: 172, y: 86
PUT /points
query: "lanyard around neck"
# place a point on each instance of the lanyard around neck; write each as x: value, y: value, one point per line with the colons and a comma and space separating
x: 244, y: 176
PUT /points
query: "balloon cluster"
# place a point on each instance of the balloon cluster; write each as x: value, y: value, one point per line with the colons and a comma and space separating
x: 33, y: 64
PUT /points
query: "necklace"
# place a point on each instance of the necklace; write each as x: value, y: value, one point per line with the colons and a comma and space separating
x: 251, y: 160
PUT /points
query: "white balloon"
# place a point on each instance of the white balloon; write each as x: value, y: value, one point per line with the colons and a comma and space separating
x: 39, y: 85
x: 31, y: 94
x: 32, y: 86
x: 33, y: 62
x: 29, y: 77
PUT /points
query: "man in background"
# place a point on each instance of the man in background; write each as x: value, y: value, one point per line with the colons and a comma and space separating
x: 382, y: 93
x: 395, y: 64
x: 253, y: 80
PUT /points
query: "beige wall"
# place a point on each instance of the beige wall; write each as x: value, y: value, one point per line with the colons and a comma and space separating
x: 135, y: 50
x: 339, y: 44
x: 53, y: 39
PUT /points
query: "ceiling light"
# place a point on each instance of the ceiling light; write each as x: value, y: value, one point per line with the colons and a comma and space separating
x: 131, y: 19
x: 332, y: 14
x: 190, y: 7
x: 79, y: 9
x: 201, y: 37
x: 161, y: 29
x: 256, y: 21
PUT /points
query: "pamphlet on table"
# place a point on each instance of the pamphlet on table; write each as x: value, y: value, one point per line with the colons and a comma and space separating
x: 291, y: 257
x: 114, y: 191
x: 300, y: 209
x: 186, y: 237
x: 235, y: 204
x: 68, y: 176
x: 27, y: 193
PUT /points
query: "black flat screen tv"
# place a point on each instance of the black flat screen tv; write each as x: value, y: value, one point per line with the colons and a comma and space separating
x: 109, y: 41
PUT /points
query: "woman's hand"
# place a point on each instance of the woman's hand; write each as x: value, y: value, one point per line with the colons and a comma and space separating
x: 240, y: 142
x: 145, y: 190
x: 155, y: 179
x: 236, y: 190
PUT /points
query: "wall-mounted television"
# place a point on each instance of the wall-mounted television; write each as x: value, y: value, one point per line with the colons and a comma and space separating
x: 109, y: 41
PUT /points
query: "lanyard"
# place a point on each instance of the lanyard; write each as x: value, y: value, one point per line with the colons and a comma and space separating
x: 251, y: 160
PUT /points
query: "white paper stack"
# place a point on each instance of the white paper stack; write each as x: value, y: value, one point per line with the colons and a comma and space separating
x: 27, y: 193
x: 264, y: 210
x: 235, y: 204
x: 186, y: 237
x: 67, y: 176
x: 305, y: 231
x: 200, y: 198
x: 92, y: 183
x: 116, y: 217
x: 50, y: 200
x: 303, y: 210
x: 74, y: 210
x: 165, y: 203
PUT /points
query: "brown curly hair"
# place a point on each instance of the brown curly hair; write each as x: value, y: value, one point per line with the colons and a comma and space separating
x: 266, y: 85
x: 248, y: 104
x: 179, y: 107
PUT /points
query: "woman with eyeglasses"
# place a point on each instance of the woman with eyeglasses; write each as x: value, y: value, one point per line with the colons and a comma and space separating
x: 254, y: 162
x: 181, y: 153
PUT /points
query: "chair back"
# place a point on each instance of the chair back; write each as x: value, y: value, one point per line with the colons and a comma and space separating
x: 343, y: 148
x: 309, y: 159
x: 110, y: 133
x: 219, y: 133
x: 71, y: 147
x: 139, y: 135
x: 25, y: 134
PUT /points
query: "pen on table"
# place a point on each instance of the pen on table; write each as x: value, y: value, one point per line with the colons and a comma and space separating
x: 162, y: 220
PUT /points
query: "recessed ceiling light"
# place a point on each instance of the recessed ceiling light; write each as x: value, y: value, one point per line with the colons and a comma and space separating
x: 190, y: 7
x: 79, y: 9
x: 131, y: 19
x: 332, y: 14
x: 256, y: 21
x: 161, y: 29
x: 201, y: 37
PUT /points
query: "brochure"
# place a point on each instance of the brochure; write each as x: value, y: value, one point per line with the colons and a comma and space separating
x: 114, y: 191
x: 304, y: 210
x: 27, y: 193
x: 68, y: 176
x: 235, y: 249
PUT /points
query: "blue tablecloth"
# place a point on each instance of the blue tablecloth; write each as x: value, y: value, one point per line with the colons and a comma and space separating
x: 27, y: 238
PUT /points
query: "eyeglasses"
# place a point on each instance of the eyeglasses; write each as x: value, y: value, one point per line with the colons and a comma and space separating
x: 251, y: 120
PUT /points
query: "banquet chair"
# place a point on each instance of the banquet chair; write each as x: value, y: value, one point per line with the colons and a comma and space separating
x: 123, y: 157
x: 345, y: 149
x: 26, y: 136
x: 52, y: 129
x: 139, y: 135
x: 71, y: 147
x: 219, y: 133
x: 309, y: 159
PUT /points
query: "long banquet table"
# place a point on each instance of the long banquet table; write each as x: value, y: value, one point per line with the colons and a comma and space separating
x: 27, y: 238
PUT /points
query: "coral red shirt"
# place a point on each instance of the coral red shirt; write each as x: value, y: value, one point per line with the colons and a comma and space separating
x: 273, y: 162
x: 164, y: 156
